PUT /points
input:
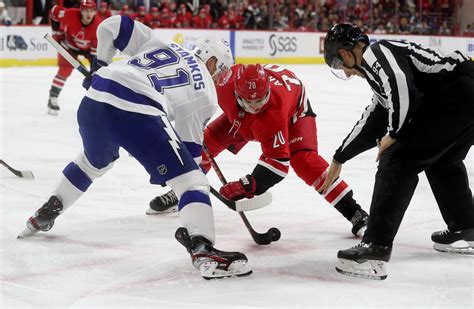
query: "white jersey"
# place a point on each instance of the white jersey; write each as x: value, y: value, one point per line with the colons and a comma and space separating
x: 159, y: 78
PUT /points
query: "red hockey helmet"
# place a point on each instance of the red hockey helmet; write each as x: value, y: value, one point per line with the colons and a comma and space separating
x: 252, y: 88
x: 88, y: 4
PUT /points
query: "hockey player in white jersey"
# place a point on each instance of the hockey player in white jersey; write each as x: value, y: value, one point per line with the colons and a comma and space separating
x: 130, y: 104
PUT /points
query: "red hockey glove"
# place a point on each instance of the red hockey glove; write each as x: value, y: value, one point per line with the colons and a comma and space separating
x: 58, y: 36
x: 236, y: 190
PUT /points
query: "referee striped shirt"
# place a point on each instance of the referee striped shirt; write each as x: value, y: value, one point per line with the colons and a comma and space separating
x: 400, y: 74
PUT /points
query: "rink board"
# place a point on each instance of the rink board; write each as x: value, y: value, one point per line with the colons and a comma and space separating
x: 25, y: 45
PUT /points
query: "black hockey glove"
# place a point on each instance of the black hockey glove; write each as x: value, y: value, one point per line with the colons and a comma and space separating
x: 96, y: 65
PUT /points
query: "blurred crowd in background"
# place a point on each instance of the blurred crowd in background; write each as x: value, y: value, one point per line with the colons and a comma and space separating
x: 425, y: 17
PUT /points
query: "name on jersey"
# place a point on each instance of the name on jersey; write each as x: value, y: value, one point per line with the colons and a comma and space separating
x: 196, y: 73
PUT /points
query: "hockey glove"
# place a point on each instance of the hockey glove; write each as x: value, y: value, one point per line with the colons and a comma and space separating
x: 237, y: 190
x: 96, y: 65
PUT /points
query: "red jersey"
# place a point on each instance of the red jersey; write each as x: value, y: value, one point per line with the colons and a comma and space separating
x: 152, y: 22
x: 184, y: 20
x: 104, y: 16
x: 78, y: 37
x: 141, y: 18
x: 202, y: 23
x: 168, y: 20
x: 269, y: 127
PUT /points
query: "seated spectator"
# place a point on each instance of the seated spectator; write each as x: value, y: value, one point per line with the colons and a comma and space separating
x: 248, y: 15
x: 263, y: 19
x: 4, y: 19
x: 202, y: 20
x: 126, y: 11
x: 469, y: 30
x: 141, y: 15
x: 184, y: 18
x: 279, y: 21
x: 167, y: 18
x: 153, y: 19
x: 404, y: 26
x: 444, y: 29
x: 425, y: 27
x: 224, y: 21
x: 380, y: 29
x: 104, y: 11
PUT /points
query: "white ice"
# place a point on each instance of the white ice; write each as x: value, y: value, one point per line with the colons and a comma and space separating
x: 105, y: 252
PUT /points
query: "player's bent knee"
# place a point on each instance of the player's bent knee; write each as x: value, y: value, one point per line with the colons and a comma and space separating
x: 91, y: 171
x: 308, y: 165
x: 191, y: 181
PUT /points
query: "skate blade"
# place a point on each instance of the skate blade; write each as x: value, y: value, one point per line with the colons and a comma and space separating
x: 52, y: 112
x: 361, y: 231
x: 368, y: 269
x: 458, y: 247
x: 27, y: 174
x: 27, y: 233
x: 238, y: 268
x: 167, y: 211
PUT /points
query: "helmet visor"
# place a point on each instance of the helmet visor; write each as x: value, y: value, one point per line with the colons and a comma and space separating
x: 253, y: 106
x: 337, y: 68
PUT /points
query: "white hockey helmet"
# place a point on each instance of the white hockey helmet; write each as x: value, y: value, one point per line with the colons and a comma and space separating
x: 210, y: 47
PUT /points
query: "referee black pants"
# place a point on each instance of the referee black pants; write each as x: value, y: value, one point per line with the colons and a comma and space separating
x: 436, y: 142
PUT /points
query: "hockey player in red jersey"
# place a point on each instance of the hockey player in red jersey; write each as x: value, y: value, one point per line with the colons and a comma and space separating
x: 269, y: 105
x: 75, y: 29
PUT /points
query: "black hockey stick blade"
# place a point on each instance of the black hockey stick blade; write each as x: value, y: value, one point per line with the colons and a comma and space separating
x: 273, y: 234
x: 22, y: 174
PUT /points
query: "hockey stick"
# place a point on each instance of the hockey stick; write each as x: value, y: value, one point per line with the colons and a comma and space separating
x: 273, y: 234
x: 256, y: 202
x: 22, y: 174
x: 245, y: 204
x: 63, y: 52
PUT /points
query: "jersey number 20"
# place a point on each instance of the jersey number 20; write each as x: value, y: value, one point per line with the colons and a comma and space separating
x: 157, y: 59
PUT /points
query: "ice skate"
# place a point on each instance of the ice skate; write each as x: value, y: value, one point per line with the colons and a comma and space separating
x: 53, y: 107
x: 359, y: 223
x: 165, y: 203
x: 364, y: 261
x: 454, y: 242
x: 213, y: 263
x: 43, y: 219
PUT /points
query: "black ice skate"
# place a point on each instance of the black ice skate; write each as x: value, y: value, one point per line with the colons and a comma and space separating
x: 454, y: 242
x: 212, y: 263
x: 53, y: 107
x: 43, y: 219
x: 165, y: 203
x: 359, y: 223
x: 364, y: 261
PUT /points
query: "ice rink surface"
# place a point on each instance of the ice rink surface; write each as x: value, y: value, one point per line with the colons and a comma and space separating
x: 105, y: 252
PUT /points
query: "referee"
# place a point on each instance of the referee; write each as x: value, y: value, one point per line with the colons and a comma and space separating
x: 422, y: 118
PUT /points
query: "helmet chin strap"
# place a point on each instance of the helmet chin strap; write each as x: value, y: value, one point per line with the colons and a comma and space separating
x: 355, y: 66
